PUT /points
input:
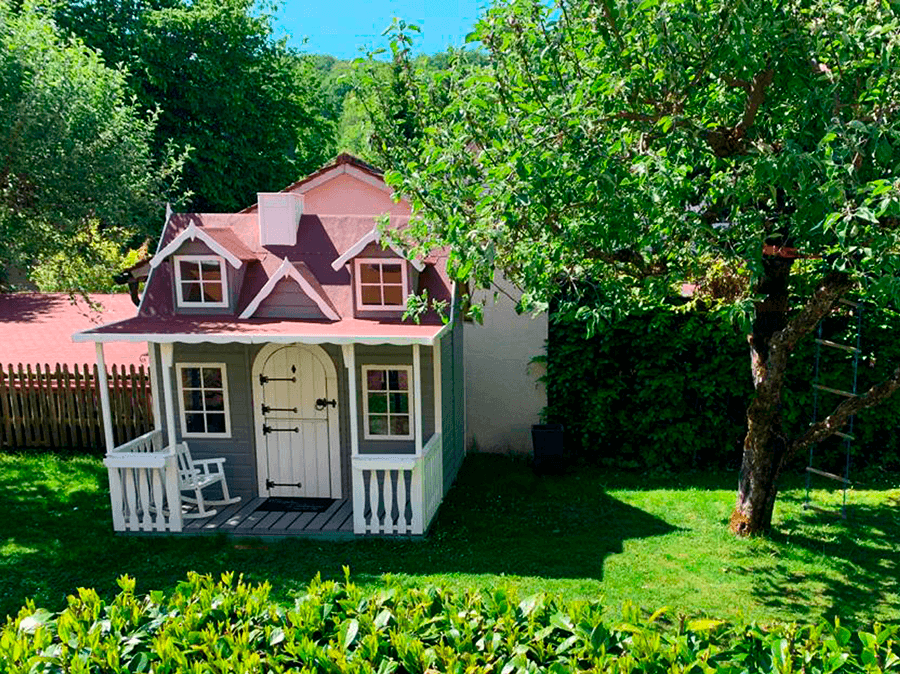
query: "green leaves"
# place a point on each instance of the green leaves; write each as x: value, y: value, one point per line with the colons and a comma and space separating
x: 229, y: 626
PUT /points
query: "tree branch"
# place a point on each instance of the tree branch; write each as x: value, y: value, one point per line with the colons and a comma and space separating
x: 834, y: 421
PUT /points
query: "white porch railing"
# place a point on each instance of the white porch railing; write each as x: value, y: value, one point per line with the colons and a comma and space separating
x: 398, y: 494
x: 143, y: 485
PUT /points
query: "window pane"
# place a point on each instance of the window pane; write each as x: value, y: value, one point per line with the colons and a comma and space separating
x: 193, y: 400
x: 215, y: 401
x: 215, y: 423
x: 194, y: 423
x: 400, y: 402
x: 190, y: 377
x: 401, y: 384
x: 375, y: 380
x: 378, y: 425
x: 400, y: 425
x: 190, y: 292
x: 390, y: 273
x: 377, y: 402
x: 190, y: 271
x: 369, y: 273
x: 212, y: 292
x: 393, y: 296
x: 371, y: 295
x: 211, y: 270
x: 212, y: 377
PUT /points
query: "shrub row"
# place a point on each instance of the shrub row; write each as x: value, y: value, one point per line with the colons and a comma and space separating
x: 669, y: 389
x: 228, y: 626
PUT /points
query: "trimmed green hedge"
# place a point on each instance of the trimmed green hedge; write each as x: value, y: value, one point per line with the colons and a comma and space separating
x: 228, y: 626
x: 669, y: 389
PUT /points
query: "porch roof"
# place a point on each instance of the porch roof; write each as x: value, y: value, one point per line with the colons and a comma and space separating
x: 219, y: 330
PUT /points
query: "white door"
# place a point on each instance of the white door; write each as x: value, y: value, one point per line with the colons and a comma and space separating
x: 296, y: 418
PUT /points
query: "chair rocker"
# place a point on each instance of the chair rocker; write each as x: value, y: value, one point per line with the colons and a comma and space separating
x: 195, y: 476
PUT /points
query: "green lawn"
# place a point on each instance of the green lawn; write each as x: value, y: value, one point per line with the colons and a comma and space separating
x: 650, y: 540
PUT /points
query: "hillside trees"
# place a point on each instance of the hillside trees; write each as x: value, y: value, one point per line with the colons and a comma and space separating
x: 74, y: 148
x: 753, y: 148
x: 246, y: 106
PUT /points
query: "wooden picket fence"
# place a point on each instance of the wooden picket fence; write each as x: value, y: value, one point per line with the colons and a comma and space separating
x: 60, y: 409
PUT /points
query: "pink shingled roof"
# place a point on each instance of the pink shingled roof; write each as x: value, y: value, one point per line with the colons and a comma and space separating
x: 38, y: 328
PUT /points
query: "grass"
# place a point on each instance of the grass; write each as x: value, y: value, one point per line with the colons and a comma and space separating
x: 658, y: 540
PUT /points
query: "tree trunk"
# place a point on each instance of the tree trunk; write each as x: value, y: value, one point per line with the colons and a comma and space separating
x: 771, y: 344
x: 764, y: 445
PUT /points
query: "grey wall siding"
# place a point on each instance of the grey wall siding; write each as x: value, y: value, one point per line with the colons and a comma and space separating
x: 238, y: 450
x: 452, y: 402
x: 395, y: 355
x: 287, y: 300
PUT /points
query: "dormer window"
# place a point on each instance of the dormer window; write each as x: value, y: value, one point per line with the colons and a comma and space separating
x: 380, y: 284
x: 200, y: 281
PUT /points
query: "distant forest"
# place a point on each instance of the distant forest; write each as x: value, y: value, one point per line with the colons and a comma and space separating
x: 113, y: 108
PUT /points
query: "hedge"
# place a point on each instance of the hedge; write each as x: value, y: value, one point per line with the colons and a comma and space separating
x: 231, y: 626
x: 669, y: 389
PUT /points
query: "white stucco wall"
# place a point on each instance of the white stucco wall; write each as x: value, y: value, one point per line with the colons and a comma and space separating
x: 503, y: 396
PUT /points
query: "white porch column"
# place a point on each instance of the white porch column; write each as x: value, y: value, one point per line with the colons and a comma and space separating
x: 166, y: 353
x: 103, y: 386
x: 349, y: 351
x: 438, y: 403
x: 417, y: 395
x: 154, y: 386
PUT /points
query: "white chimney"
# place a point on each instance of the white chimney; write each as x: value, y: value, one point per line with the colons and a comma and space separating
x: 279, y: 218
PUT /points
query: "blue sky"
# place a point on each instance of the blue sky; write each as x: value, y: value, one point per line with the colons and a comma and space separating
x: 340, y: 28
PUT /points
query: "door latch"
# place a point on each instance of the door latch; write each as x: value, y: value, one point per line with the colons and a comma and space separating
x: 322, y: 403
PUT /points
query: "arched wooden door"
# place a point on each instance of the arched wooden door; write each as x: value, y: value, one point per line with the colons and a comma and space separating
x: 296, y: 417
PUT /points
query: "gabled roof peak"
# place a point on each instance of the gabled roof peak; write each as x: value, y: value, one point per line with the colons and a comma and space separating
x: 373, y: 237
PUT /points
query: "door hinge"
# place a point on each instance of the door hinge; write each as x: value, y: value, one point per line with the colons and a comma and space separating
x: 266, y: 409
x: 268, y: 429
x: 270, y: 484
x: 263, y: 379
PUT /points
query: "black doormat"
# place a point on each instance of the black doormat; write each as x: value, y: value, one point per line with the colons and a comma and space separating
x: 295, y: 505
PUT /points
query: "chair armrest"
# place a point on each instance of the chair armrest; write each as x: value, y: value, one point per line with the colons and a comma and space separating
x: 206, y: 463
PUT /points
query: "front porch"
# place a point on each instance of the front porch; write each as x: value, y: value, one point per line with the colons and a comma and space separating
x: 391, y: 495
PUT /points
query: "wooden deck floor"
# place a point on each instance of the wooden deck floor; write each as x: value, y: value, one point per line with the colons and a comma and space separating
x: 242, y: 519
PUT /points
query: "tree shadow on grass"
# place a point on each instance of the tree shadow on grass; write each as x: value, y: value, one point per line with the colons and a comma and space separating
x: 498, y: 519
x: 859, y: 576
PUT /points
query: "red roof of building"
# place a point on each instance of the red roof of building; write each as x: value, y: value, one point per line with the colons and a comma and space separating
x: 321, y: 239
x: 38, y: 327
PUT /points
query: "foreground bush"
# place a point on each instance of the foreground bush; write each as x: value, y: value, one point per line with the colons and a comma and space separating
x: 207, y: 626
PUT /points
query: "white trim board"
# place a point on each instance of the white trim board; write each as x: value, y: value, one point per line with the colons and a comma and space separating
x: 339, y: 170
x: 260, y: 338
x: 288, y: 270
x: 359, y: 246
x: 193, y: 232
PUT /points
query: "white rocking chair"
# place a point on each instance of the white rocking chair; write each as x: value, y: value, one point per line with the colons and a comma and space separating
x: 195, y: 476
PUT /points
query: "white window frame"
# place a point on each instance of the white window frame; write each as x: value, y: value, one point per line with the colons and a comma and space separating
x: 200, y: 259
x: 404, y: 280
x: 412, y: 404
x: 179, y: 368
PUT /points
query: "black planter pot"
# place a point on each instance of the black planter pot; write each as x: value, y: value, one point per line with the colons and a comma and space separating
x: 548, y: 441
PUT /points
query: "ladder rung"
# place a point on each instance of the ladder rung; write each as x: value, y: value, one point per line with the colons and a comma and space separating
x: 846, y: 394
x: 835, y: 345
x: 846, y: 436
x: 850, y: 303
x: 810, y: 469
